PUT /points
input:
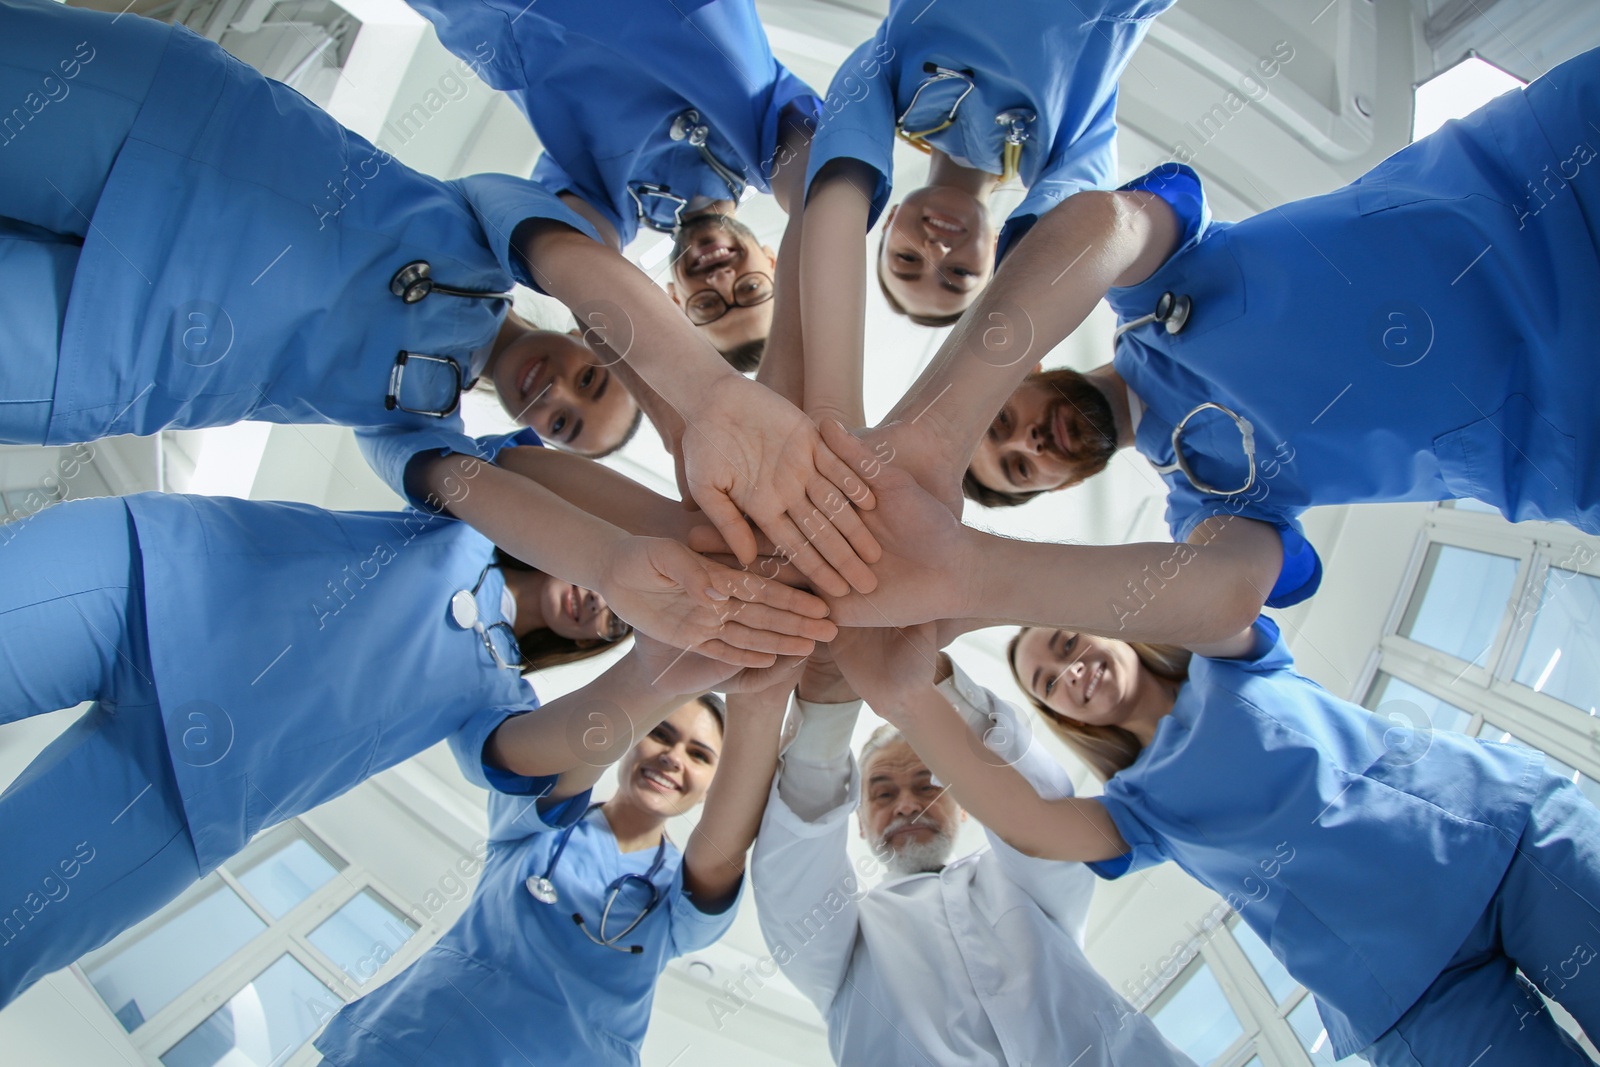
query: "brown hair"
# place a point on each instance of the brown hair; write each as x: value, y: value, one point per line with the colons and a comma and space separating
x: 544, y: 648
x: 1106, y: 749
x: 977, y: 492
x: 898, y: 308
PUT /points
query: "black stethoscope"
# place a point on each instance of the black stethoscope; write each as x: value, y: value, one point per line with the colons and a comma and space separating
x: 690, y: 127
x: 542, y: 889
x: 411, y: 283
x: 1172, y: 312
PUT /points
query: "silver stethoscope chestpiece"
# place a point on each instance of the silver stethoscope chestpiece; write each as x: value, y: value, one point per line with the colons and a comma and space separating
x: 542, y: 889
x: 463, y: 609
x: 1172, y: 311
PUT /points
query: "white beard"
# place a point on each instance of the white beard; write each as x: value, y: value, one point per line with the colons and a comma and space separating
x: 918, y: 857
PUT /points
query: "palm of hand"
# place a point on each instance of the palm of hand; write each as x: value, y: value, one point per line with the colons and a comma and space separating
x: 881, y: 663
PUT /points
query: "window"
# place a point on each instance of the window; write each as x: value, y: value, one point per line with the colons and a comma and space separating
x: 1562, y: 657
x: 1456, y: 93
x: 1273, y: 975
x: 1194, y: 1015
x: 1459, y: 600
x: 1307, y: 1026
x: 287, y: 931
x: 1387, y: 689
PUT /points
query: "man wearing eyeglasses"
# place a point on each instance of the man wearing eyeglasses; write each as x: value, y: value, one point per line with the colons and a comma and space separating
x: 655, y: 115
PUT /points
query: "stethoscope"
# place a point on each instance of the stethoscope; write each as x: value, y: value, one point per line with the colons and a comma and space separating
x: 464, y: 613
x: 686, y: 126
x: 543, y: 890
x: 411, y: 283
x: 1172, y: 312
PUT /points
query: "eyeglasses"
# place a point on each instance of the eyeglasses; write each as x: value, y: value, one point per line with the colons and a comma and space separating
x: 707, y: 305
x: 500, y: 639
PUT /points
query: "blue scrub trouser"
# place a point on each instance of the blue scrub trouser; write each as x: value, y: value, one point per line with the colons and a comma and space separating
x: 93, y: 836
x: 1544, y: 921
x: 73, y: 82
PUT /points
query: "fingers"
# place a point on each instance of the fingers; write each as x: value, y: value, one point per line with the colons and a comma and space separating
x: 723, y: 652
x: 707, y: 540
x: 730, y: 523
x: 792, y: 543
x: 777, y: 621
x: 755, y: 639
x: 837, y: 550
x: 762, y: 590
x: 843, y: 463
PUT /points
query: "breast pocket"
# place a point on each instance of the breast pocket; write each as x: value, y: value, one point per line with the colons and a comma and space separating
x: 1514, y: 459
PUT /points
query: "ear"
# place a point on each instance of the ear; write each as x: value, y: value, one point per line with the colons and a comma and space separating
x: 1038, y: 368
x: 888, y: 216
x: 672, y: 291
x: 962, y: 814
x: 772, y: 257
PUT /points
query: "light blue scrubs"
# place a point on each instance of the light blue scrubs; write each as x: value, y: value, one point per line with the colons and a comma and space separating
x: 187, y: 243
x: 602, y: 82
x: 250, y: 660
x: 1389, y: 875
x: 1424, y: 333
x: 1042, y: 69
x: 516, y: 981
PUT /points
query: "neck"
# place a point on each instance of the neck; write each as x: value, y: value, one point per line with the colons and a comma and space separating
x: 525, y: 587
x: 1154, y: 704
x: 1110, y: 383
x: 512, y: 329
x: 942, y: 170
x: 633, y: 827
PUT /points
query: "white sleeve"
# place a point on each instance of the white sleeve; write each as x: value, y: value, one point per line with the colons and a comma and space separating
x: 807, y: 893
x: 1061, y: 889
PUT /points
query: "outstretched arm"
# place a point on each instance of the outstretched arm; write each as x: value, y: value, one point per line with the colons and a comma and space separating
x: 745, y: 450
x: 601, y: 491
x: 661, y: 587
x: 1043, y: 290
x: 894, y: 670
x: 714, y: 860
x: 833, y: 286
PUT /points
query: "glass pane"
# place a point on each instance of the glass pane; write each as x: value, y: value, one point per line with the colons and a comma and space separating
x: 1563, y: 658
x: 1272, y: 973
x: 1459, y: 600
x: 1255, y: 1061
x: 1442, y: 714
x: 148, y: 967
x: 1466, y: 503
x: 290, y: 870
x: 261, y: 1025
x: 1194, y: 1015
x: 1307, y: 1026
x: 363, y: 935
x: 1591, y: 789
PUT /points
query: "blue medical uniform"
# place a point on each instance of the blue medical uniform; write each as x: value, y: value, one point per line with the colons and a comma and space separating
x: 603, y: 82
x: 187, y: 243
x: 1036, y: 70
x: 250, y: 661
x: 1421, y: 334
x: 1383, y: 871
x: 515, y: 981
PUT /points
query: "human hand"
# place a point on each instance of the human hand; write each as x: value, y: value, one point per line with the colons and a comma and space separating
x: 822, y: 682
x: 914, y: 447
x: 746, y: 451
x: 885, y: 665
x: 675, y: 671
x: 674, y: 595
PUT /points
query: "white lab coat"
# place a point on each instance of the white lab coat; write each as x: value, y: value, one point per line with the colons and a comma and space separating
x: 979, y: 964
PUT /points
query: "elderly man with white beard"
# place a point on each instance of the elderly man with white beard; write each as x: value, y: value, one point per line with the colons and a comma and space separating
x: 977, y: 961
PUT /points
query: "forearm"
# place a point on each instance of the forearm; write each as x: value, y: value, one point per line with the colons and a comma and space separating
x: 816, y: 766
x: 1044, y: 289
x: 602, y: 492
x: 833, y: 279
x: 997, y: 795
x: 1177, y: 594
x: 523, y: 517
x: 714, y: 861
x: 783, y: 367
x: 618, y: 305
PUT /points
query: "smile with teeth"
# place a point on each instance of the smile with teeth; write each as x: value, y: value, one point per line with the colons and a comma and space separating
x: 1094, y: 676
x: 569, y: 602
x: 713, y: 256
x: 529, y: 377
x: 659, y: 781
x: 944, y: 225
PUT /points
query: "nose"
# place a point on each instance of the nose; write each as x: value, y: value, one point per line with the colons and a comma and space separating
x: 1033, y: 439
x: 908, y: 805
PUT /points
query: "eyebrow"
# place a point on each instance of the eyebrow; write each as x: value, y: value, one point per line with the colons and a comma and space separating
x: 707, y: 749
x: 600, y: 390
x: 577, y: 428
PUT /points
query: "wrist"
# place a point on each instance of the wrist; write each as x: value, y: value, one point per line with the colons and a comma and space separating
x: 825, y: 689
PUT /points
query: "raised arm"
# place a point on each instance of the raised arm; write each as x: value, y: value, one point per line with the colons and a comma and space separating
x: 894, y: 670
x: 714, y: 860
x: 661, y: 587
x: 1042, y: 291
x: 833, y: 286
x: 601, y: 491
x: 745, y: 450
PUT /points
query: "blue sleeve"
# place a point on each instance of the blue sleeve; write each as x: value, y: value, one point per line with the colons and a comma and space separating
x: 1269, y: 654
x: 693, y: 929
x: 1090, y: 162
x: 516, y: 802
x: 480, y: 35
x: 389, y: 451
x: 858, y: 120
x: 1180, y: 187
x: 1300, y: 573
x: 1144, y: 847
x: 501, y: 203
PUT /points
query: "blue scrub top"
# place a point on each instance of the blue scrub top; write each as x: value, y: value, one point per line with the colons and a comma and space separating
x: 297, y: 652
x: 1058, y: 63
x: 602, y: 82
x: 238, y: 266
x: 515, y: 980
x: 1421, y: 334
x: 1362, y: 866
